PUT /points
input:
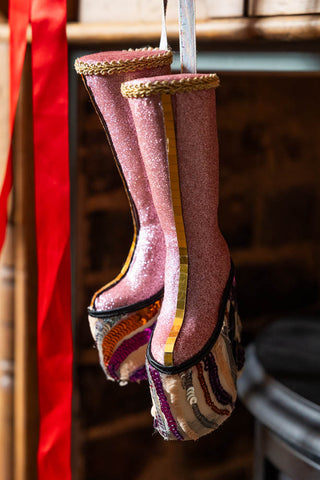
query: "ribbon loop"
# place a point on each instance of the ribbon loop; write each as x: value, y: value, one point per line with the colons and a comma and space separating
x: 164, y: 39
x: 187, y: 36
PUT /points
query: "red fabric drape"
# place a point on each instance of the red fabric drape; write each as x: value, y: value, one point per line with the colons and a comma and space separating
x: 19, y: 14
x: 52, y: 196
x: 50, y: 126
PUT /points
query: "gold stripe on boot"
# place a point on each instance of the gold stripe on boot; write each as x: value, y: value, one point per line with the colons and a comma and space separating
x: 178, y: 218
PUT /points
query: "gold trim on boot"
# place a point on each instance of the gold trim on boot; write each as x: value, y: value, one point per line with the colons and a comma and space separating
x: 127, y: 65
x: 170, y: 87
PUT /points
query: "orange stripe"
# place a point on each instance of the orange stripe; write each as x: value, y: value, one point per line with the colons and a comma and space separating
x: 125, y: 327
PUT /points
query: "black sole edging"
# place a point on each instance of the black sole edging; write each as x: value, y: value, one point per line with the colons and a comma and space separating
x: 127, y: 309
x: 173, y: 370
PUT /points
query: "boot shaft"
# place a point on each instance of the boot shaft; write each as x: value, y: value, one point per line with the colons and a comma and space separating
x: 103, y: 74
x: 186, y: 197
x: 142, y: 274
x: 195, y: 136
x: 192, y: 356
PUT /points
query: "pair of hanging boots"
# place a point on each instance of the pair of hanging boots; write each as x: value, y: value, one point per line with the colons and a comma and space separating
x: 171, y: 314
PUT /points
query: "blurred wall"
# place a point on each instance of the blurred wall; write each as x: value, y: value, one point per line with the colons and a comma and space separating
x: 270, y: 215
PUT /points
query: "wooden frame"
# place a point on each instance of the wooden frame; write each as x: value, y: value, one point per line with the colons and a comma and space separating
x: 6, y: 294
x: 25, y: 298
x: 281, y: 28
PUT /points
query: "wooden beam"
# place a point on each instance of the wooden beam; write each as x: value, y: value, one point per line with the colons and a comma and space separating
x: 6, y: 355
x: 285, y: 7
x: 119, y: 426
x: 236, y: 465
x: 6, y: 291
x: 26, y: 396
x: 280, y: 28
x: 306, y: 27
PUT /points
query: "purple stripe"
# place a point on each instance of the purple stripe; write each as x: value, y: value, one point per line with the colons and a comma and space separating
x: 212, y: 368
x: 164, y: 403
x: 140, y: 374
x: 126, y: 348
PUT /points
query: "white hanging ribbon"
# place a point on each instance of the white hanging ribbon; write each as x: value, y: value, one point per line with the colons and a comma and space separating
x: 187, y: 34
x: 164, y: 39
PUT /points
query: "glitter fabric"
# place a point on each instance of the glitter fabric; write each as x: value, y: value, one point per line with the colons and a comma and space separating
x: 195, y: 391
x: 209, y: 260
x: 148, y: 117
x: 144, y: 277
x: 122, y: 338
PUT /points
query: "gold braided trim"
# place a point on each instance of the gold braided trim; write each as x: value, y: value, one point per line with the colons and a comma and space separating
x: 122, y: 66
x: 138, y: 90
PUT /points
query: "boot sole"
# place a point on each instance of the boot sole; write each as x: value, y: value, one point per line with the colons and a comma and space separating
x: 121, y: 337
x: 192, y: 399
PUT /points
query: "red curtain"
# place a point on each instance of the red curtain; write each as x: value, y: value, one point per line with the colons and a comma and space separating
x: 52, y: 204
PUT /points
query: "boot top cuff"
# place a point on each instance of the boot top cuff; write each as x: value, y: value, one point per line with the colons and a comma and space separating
x: 109, y: 63
x: 171, y: 84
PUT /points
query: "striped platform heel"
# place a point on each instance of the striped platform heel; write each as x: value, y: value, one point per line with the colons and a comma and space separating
x: 194, y: 355
x: 122, y: 313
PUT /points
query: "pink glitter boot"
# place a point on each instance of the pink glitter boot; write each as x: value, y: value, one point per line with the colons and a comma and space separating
x: 194, y: 355
x: 122, y: 314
